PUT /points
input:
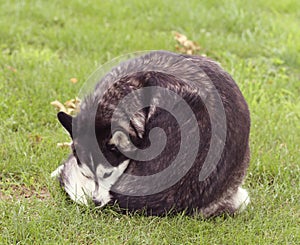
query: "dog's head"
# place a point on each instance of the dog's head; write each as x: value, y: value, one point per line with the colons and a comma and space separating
x: 96, y: 162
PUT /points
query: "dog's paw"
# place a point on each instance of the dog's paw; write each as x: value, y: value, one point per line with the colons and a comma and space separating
x: 241, y: 199
x: 56, y: 173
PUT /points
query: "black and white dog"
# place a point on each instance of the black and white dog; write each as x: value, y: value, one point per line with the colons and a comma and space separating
x: 115, y: 175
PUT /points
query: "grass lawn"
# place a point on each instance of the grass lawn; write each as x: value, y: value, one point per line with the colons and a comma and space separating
x: 43, y: 44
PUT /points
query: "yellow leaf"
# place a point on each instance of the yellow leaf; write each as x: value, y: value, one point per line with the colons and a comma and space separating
x: 73, y: 80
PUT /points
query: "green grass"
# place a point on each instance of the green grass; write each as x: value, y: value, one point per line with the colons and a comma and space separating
x: 45, y: 43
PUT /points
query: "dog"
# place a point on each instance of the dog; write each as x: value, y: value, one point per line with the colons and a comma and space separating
x: 106, y: 165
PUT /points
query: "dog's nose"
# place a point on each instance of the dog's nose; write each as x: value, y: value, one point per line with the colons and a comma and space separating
x: 97, y: 202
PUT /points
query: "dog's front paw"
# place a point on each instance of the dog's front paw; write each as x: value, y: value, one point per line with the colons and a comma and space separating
x: 56, y: 173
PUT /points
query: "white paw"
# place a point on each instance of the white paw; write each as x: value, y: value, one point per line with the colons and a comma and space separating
x: 57, y: 171
x: 241, y: 199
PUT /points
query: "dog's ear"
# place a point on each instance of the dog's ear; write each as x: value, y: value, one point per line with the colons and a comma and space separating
x: 66, y: 121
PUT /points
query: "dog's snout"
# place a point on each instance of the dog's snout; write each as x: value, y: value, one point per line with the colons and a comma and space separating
x: 97, y: 202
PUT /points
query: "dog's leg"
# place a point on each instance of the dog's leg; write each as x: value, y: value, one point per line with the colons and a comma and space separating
x: 234, y: 202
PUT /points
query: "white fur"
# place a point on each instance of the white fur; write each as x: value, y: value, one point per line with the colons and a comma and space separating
x: 80, y: 183
x: 120, y: 139
x: 77, y: 184
x: 101, y: 193
x: 241, y: 199
x: 57, y: 171
x: 79, y: 187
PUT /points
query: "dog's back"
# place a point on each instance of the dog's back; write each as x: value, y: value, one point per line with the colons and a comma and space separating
x: 220, y: 190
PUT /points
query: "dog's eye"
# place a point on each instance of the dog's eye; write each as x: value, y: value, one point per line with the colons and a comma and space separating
x: 114, y: 150
x: 112, y: 147
x: 88, y: 177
